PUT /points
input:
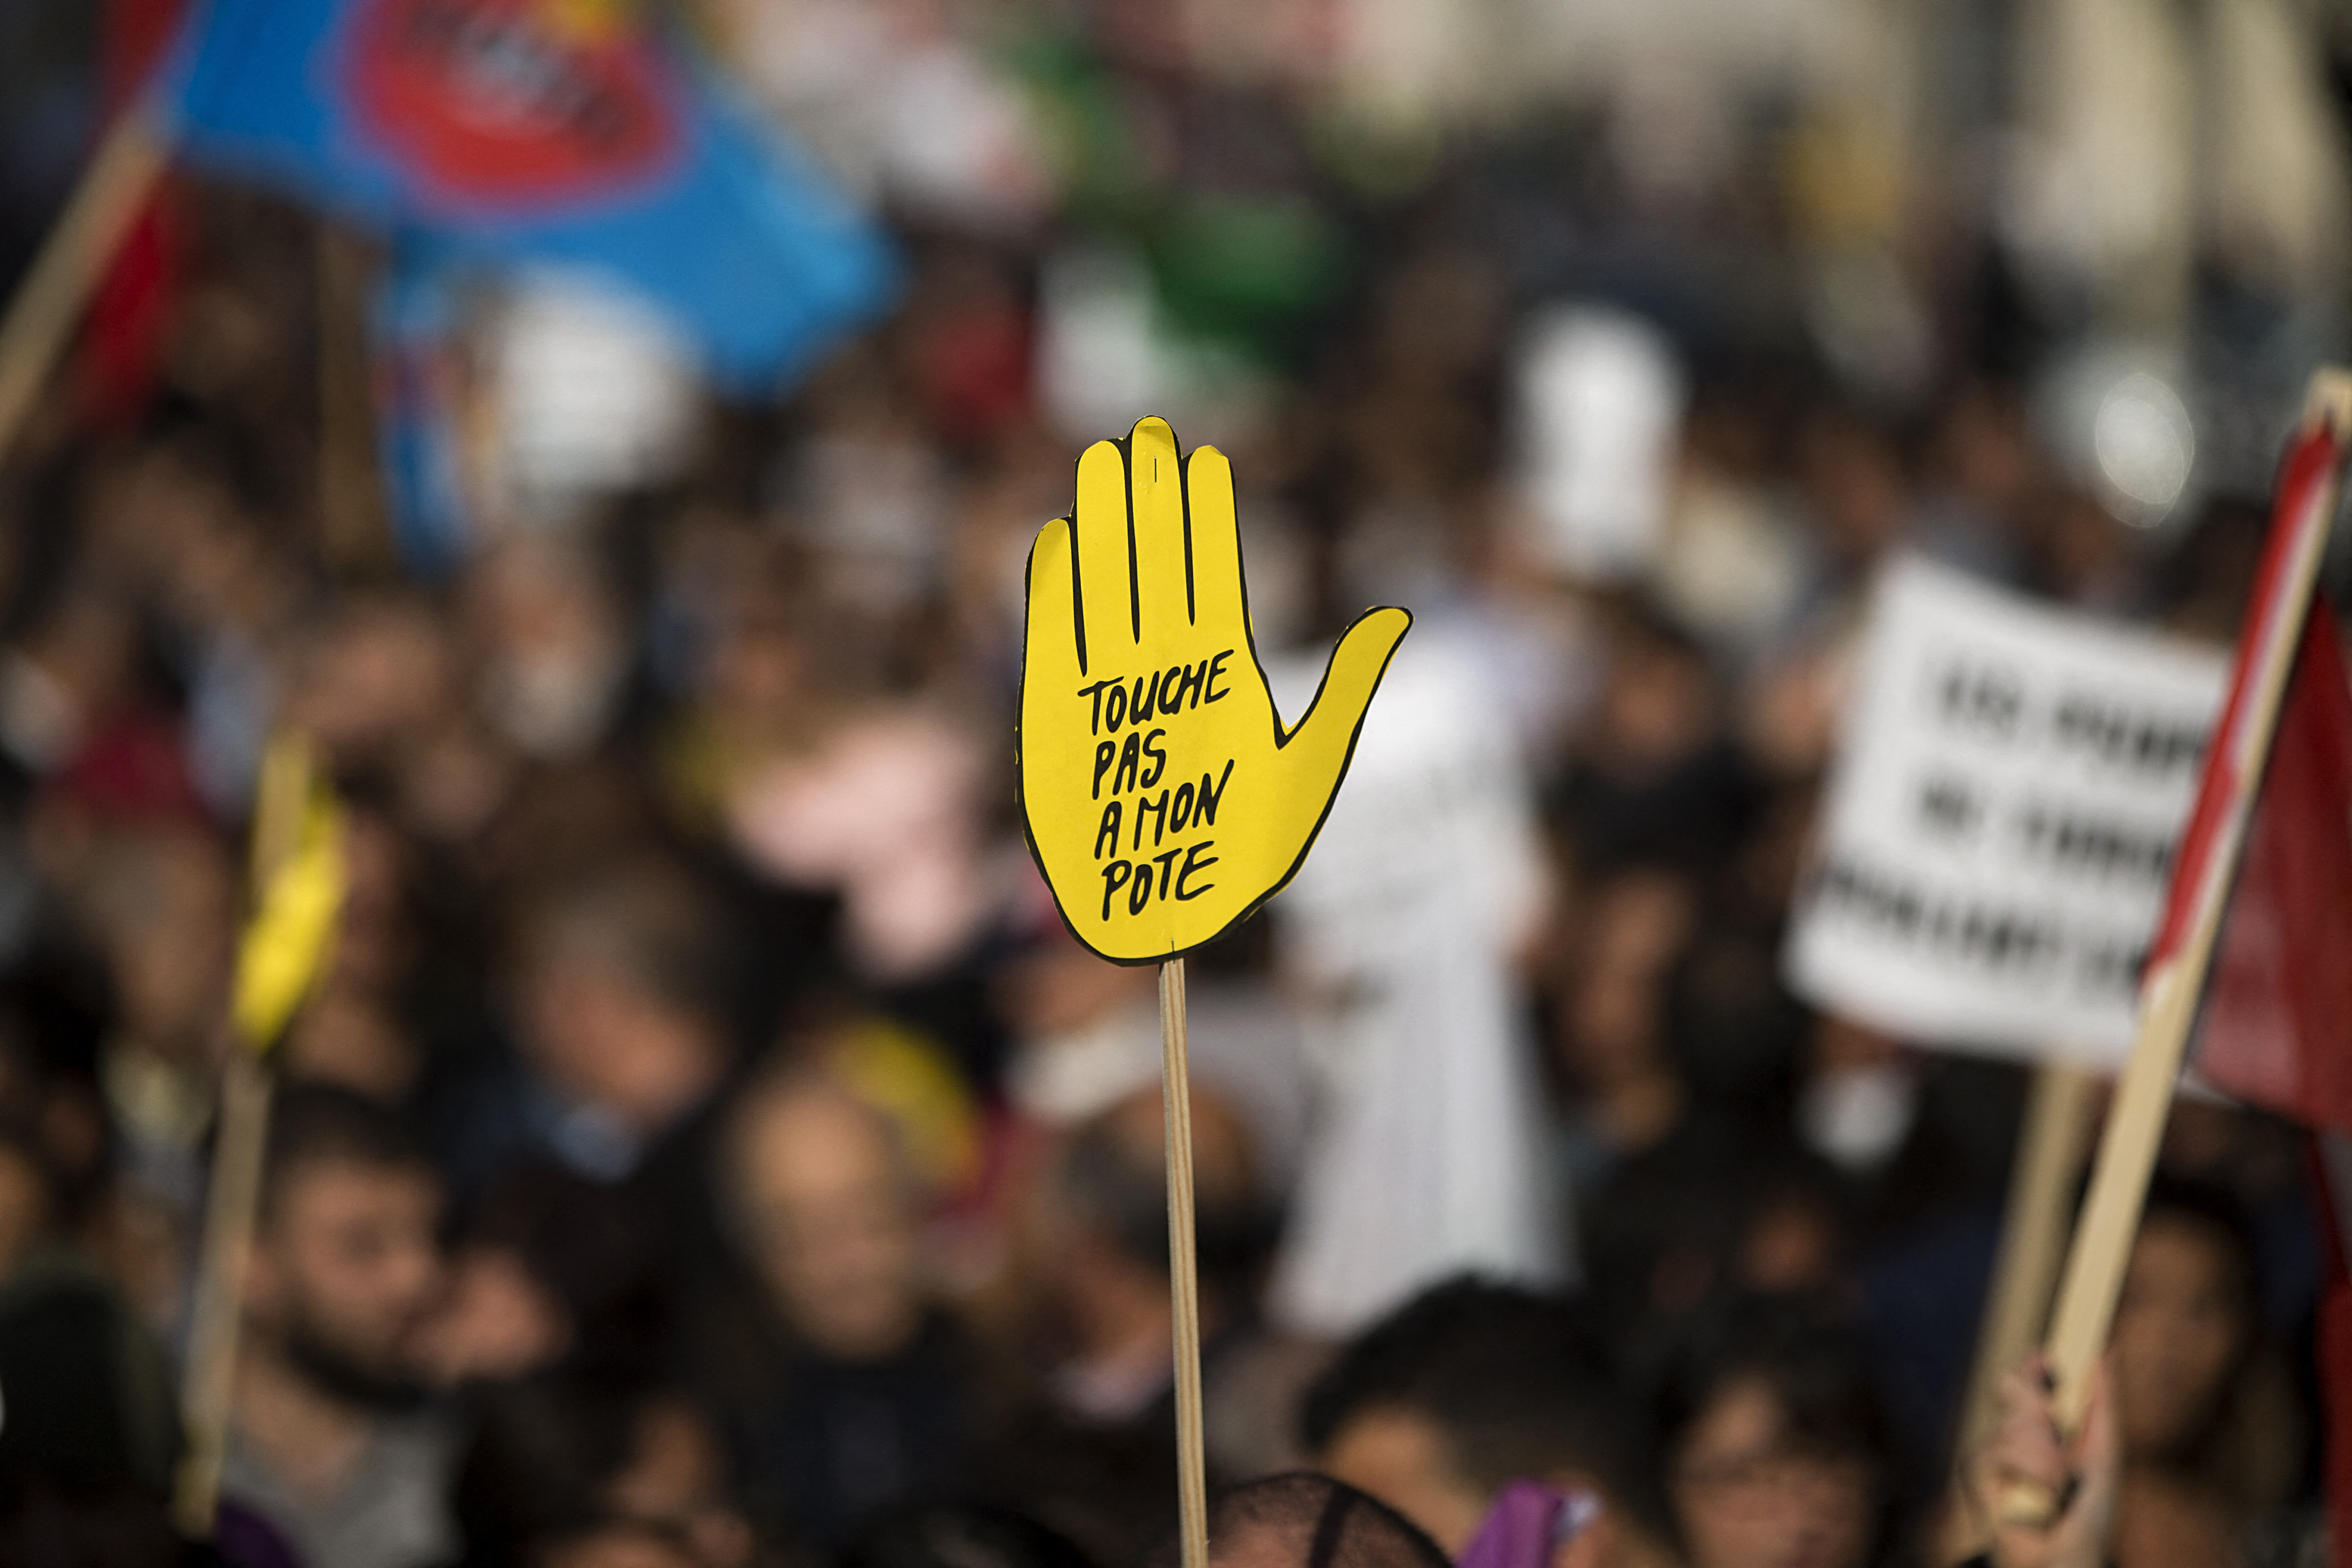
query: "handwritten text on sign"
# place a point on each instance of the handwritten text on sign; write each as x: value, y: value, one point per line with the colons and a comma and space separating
x: 1998, y: 834
x: 1134, y: 766
x: 1163, y: 796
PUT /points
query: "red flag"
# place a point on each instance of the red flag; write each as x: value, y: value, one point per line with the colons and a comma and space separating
x: 2266, y: 861
x: 133, y: 302
x: 2291, y: 895
x: 2277, y: 1028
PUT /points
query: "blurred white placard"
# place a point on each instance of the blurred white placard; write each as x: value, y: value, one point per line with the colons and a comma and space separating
x: 1993, y: 852
x: 1600, y: 407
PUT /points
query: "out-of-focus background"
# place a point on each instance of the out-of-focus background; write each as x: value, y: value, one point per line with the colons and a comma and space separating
x: 706, y: 1144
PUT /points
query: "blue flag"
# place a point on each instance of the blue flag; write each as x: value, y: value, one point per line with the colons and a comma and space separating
x: 551, y: 130
x: 414, y: 331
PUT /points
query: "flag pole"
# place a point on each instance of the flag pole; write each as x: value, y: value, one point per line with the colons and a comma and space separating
x: 1183, y: 1271
x: 354, y: 531
x: 2174, y: 979
x: 2026, y: 1268
x: 234, y: 1193
x: 50, y: 298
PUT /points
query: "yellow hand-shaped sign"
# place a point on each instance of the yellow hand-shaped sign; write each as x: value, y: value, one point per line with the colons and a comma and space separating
x: 1164, y: 797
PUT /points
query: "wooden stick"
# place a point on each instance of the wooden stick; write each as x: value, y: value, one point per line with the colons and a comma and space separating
x: 233, y: 1195
x: 2032, y: 1238
x: 2169, y: 997
x: 1183, y: 1271
x: 355, y: 526
x: 49, y: 300
x: 2032, y: 1241
x: 209, y: 1384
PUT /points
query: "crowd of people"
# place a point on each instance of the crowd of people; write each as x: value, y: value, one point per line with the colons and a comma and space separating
x: 706, y: 1146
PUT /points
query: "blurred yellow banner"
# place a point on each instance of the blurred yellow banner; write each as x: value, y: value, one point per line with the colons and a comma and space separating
x: 290, y: 935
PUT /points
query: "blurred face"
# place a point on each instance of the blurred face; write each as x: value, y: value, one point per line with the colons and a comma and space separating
x: 376, y: 678
x: 168, y: 941
x: 1746, y: 1498
x: 496, y: 1321
x: 344, y: 1038
x: 1655, y: 708
x: 2180, y: 1330
x: 346, y: 1268
x: 620, y: 1547
x: 600, y: 1040
x: 831, y: 1223
x: 1398, y: 1457
x: 23, y: 1205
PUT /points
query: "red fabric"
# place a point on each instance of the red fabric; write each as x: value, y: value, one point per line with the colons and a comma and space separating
x: 2305, y: 504
x: 133, y: 769
x: 136, y: 33
x: 973, y: 370
x: 2336, y: 1384
x: 2332, y: 1348
x: 128, y: 313
x: 2277, y: 1026
x: 133, y: 302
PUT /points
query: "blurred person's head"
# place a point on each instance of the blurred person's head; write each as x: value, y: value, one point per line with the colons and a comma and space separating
x: 77, y: 661
x: 88, y: 1445
x: 1465, y: 1389
x: 1853, y: 476
x: 1775, y: 1449
x: 1723, y: 1205
x: 553, y: 642
x: 1610, y: 1025
x: 826, y: 1212
x: 161, y: 904
x: 2085, y: 555
x: 886, y: 806
x: 2191, y: 1392
x: 1109, y: 1203
x: 373, y: 675
x: 499, y: 1319
x: 757, y: 671
x: 2184, y: 1323
x: 1788, y: 720
x: 27, y: 1205
x: 1638, y: 919
x: 615, y: 988
x: 344, y: 1038
x: 960, y: 1535
x: 1983, y: 450
x: 1055, y: 987
x: 373, y: 940
x: 1635, y: 925
x: 346, y: 1263
x: 565, y: 1471
x: 155, y: 509
x: 54, y: 1020
x: 1657, y: 706
x: 1792, y: 1239
x: 1307, y: 1521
